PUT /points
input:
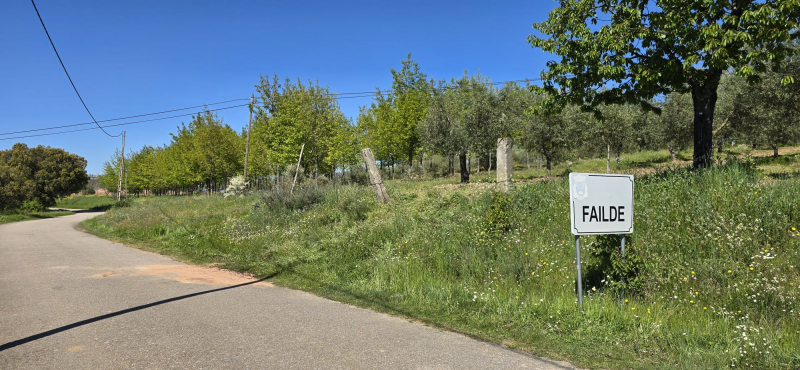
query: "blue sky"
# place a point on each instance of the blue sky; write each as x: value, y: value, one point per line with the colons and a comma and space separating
x: 129, y: 58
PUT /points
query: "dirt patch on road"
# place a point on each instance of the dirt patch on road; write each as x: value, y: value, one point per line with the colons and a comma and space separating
x: 188, y: 274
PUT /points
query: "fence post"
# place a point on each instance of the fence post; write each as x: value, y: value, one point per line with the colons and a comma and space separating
x: 374, y: 175
x: 505, y: 164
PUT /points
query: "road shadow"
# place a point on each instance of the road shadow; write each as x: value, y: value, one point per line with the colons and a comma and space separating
x: 48, y: 333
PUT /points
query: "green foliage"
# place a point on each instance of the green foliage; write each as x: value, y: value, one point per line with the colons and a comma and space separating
x: 94, y: 203
x: 39, y: 174
x: 429, y: 255
x: 620, y: 275
x: 619, y: 52
x: 294, y: 114
x: 284, y: 198
x: 390, y: 123
x: 31, y: 206
x: 463, y: 118
x: 499, y: 218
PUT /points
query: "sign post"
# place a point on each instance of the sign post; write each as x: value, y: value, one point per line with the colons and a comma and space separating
x: 599, y: 204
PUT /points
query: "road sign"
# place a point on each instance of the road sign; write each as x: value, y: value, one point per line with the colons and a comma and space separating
x: 601, y: 203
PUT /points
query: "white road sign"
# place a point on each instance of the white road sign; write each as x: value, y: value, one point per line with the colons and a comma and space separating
x: 601, y: 203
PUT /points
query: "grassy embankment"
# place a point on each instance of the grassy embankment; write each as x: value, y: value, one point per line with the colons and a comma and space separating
x: 26, y: 216
x: 90, y: 202
x: 712, y: 270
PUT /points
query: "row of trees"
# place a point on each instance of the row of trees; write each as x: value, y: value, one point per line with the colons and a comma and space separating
x: 420, y: 117
x: 205, y: 153
x: 33, y: 178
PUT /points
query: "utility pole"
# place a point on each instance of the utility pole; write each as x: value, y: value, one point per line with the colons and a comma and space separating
x: 249, y: 124
x: 121, y: 165
x: 126, y: 181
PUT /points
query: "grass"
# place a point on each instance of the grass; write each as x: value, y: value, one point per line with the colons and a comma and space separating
x: 15, y: 217
x: 711, y: 275
x: 91, y: 202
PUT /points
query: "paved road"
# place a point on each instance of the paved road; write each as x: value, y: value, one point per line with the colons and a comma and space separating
x: 69, y: 300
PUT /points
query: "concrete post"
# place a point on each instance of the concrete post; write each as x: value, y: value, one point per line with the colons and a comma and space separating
x: 505, y: 164
x: 374, y: 176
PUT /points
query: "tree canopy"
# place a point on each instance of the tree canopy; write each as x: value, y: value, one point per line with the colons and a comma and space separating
x: 39, y: 174
x: 629, y: 51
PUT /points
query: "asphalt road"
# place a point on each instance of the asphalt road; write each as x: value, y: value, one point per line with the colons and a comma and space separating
x: 70, y: 300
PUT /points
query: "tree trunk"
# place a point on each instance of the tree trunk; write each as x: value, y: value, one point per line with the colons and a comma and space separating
x: 547, y: 159
x: 462, y: 158
x: 672, y: 153
x: 528, y: 159
x: 608, y: 159
x: 617, y: 159
x: 490, y: 163
x: 775, y: 151
x: 704, y: 99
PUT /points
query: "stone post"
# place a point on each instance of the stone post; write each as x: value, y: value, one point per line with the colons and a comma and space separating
x: 374, y: 176
x: 505, y: 164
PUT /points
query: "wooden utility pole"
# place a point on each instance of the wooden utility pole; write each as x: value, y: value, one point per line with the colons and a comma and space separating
x: 374, y: 175
x: 247, y: 148
x: 121, y: 165
x: 126, y: 179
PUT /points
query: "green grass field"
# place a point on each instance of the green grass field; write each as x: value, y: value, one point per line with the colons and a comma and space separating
x: 15, y: 217
x: 92, y: 202
x: 711, y: 278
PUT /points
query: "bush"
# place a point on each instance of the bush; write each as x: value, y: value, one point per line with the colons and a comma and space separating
x: 88, y: 190
x: 284, y: 198
x: 31, y: 206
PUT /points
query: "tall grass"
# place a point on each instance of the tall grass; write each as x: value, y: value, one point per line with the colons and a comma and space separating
x: 711, y: 276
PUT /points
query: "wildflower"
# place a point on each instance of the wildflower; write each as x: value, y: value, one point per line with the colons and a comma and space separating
x: 626, y: 301
x: 692, y: 272
x: 705, y: 308
x: 729, y: 271
x: 526, y: 253
x: 794, y: 229
x: 691, y: 301
x: 633, y: 308
x: 751, y: 269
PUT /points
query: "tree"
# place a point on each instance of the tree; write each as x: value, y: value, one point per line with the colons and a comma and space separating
x: 464, y: 117
x: 211, y: 150
x: 293, y: 114
x: 547, y: 135
x: 394, y: 116
x: 769, y: 112
x: 614, y: 128
x: 675, y: 123
x: 629, y: 51
x: 39, y: 174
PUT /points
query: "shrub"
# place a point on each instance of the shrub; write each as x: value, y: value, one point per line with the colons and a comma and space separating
x: 284, y: 198
x: 237, y: 186
x: 31, y: 206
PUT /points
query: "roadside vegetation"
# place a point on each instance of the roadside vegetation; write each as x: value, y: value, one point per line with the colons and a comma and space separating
x: 90, y: 202
x: 711, y: 278
x: 16, y: 216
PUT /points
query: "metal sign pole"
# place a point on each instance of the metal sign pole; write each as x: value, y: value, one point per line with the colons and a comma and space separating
x: 622, y: 250
x: 578, y: 264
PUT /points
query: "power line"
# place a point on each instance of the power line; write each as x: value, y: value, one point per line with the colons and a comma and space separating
x: 120, y: 124
x: 350, y: 95
x: 118, y: 119
x: 67, y: 73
